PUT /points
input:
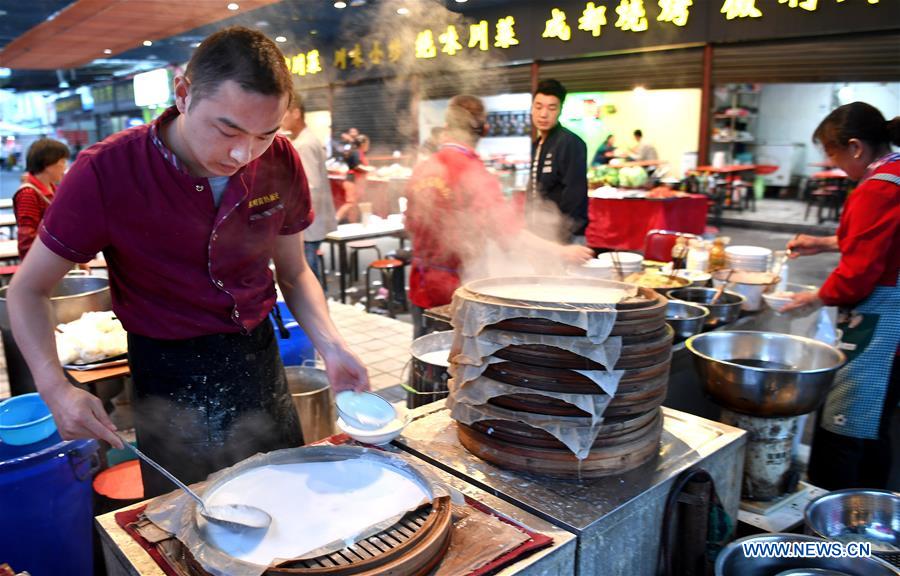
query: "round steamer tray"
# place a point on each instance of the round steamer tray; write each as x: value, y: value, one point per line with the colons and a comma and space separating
x: 623, y: 404
x: 568, y: 381
x: 602, y: 461
x: 413, y: 546
x: 637, y: 352
x: 639, y: 314
x: 524, y: 434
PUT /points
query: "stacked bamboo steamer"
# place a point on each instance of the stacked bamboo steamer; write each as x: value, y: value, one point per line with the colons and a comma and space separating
x: 632, y: 421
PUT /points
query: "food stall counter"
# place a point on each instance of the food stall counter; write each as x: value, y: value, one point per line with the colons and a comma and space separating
x: 125, y: 557
x: 617, y: 519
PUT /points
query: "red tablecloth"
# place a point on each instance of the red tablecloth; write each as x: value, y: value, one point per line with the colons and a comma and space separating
x: 623, y: 224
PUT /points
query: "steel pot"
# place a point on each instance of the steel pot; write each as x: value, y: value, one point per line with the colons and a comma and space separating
x: 429, y: 368
x: 871, y: 516
x: 725, y: 311
x: 313, y: 401
x: 686, y: 319
x: 732, y: 560
x: 72, y: 297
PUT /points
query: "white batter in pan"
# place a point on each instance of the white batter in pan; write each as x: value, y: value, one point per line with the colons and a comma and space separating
x: 312, y: 504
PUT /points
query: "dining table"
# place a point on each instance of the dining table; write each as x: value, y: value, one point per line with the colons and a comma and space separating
x: 375, y: 228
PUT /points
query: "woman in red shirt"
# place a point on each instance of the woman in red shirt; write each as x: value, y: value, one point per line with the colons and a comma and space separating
x: 44, y: 167
x: 851, y: 447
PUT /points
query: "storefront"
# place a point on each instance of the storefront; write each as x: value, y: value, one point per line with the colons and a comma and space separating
x: 672, y: 73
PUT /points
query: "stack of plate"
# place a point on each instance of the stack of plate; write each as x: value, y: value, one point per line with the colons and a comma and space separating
x: 752, y: 258
x: 604, y: 265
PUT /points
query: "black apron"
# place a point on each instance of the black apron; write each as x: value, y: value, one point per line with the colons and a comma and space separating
x: 205, y: 403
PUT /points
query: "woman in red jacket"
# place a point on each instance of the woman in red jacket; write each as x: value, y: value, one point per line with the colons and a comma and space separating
x: 851, y: 446
x: 44, y: 167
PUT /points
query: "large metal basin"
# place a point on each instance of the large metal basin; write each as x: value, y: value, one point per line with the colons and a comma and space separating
x: 764, y: 373
x: 72, y: 297
x: 851, y: 515
x: 733, y: 562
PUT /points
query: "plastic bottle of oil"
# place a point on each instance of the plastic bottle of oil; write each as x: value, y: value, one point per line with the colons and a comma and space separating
x: 717, y: 255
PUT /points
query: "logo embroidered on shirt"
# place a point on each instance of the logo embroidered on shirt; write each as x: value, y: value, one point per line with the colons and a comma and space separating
x: 264, y: 199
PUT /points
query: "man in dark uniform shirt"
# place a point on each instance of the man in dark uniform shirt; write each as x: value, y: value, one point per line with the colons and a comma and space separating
x: 558, y: 163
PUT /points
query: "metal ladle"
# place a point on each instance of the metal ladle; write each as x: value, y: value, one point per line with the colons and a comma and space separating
x: 231, y: 516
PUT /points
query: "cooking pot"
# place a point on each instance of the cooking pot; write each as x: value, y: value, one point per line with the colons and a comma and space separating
x: 74, y: 295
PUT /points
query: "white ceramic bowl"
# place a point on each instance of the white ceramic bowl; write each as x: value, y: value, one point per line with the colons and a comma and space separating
x: 751, y: 285
x: 364, y: 410
x: 777, y: 300
x: 697, y: 277
x: 377, y: 437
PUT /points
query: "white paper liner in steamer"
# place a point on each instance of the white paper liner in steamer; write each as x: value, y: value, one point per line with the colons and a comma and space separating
x: 578, y: 434
x: 471, y: 349
x: 177, y: 512
x: 480, y: 390
x: 472, y: 312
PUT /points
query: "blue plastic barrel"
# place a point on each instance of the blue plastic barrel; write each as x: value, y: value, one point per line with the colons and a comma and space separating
x: 298, y: 348
x: 46, y: 506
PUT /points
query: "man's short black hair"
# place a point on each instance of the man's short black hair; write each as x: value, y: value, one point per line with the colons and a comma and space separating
x: 638, y: 134
x: 242, y: 55
x: 551, y: 87
x: 43, y: 153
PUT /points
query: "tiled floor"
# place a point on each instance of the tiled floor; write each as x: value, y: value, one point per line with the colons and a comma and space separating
x: 783, y: 213
x: 382, y: 344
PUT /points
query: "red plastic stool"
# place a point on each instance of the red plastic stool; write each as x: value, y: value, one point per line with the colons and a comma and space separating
x: 387, y: 267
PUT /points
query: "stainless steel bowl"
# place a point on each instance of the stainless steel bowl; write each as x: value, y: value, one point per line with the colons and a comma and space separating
x: 725, y: 311
x: 765, y: 373
x: 858, y: 515
x: 733, y: 562
x: 686, y: 319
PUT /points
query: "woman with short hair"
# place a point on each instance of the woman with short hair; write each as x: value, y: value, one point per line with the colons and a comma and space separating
x: 45, y: 165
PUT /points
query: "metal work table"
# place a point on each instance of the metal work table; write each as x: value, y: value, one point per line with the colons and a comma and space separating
x: 617, y: 519
x: 124, y: 557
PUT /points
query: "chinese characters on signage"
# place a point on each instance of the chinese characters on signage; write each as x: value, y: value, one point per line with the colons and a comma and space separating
x: 455, y: 39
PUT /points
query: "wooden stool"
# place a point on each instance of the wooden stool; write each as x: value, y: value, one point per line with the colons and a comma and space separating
x: 355, y: 248
x: 387, y: 267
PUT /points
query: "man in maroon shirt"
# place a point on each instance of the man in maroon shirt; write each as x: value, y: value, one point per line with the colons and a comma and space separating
x: 189, y: 211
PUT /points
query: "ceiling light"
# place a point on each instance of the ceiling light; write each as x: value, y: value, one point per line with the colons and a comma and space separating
x: 313, y: 32
x: 195, y: 44
x: 148, y: 43
x: 280, y: 39
x: 461, y: 1
x: 261, y: 23
x: 403, y: 11
x: 107, y: 51
x: 340, y: 5
x: 233, y: 6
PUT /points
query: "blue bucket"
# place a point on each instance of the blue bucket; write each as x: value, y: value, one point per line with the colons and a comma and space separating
x: 47, y: 507
x: 297, y: 349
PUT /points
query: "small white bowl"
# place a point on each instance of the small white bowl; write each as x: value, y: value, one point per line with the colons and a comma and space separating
x: 777, y: 300
x: 364, y: 410
x: 377, y: 437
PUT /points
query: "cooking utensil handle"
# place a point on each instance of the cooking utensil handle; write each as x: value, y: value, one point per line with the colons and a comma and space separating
x: 162, y: 471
